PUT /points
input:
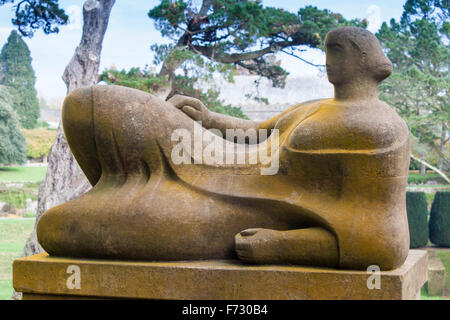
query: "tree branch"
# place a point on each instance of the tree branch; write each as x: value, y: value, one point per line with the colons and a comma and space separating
x: 305, y: 61
x: 205, y: 7
x: 236, y: 57
x: 439, y: 172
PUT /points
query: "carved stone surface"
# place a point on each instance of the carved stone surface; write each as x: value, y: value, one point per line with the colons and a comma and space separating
x: 44, y: 277
x: 436, y: 275
x: 336, y: 197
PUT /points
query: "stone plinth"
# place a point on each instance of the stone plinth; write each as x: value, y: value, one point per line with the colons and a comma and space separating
x: 436, y: 275
x: 42, y: 276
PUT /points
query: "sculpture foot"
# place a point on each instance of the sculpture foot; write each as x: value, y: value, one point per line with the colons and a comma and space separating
x: 311, y: 246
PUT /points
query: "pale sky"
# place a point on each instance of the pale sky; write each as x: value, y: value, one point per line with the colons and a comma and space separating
x: 131, y: 33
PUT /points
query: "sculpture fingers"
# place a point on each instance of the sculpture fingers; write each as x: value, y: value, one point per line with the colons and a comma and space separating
x: 180, y: 101
x: 191, y: 112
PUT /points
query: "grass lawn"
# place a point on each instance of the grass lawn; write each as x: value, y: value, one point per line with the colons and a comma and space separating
x: 13, y: 235
x: 22, y: 174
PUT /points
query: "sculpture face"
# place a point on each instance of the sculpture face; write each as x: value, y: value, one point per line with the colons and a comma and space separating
x: 354, y: 54
x: 343, y: 61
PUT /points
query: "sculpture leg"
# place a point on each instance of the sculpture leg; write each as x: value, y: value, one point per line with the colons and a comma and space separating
x: 310, y: 246
x: 79, y: 130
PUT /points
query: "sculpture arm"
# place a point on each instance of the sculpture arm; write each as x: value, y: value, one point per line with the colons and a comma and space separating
x: 197, y: 111
x: 223, y: 122
x: 271, y: 123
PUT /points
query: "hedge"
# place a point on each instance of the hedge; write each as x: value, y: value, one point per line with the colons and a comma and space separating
x: 416, y: 207
x: 440, y: 219
x: 416, y: 178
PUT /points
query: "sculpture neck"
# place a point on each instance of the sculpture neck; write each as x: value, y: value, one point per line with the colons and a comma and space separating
x: 356, y: 91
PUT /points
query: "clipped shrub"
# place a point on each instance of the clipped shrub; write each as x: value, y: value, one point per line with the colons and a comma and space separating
x: 416, y: 206
x: 440, y: 219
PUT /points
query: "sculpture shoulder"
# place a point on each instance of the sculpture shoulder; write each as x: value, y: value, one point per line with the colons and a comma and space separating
x: 286, y: 118
x: 335, y: 126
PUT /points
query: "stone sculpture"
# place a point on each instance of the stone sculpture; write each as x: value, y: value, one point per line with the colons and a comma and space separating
x: 337, y: 198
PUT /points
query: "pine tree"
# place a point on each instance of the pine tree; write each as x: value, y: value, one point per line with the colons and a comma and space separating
x: 418, y: 46
x: 12, y: 142
x: 16, y: 72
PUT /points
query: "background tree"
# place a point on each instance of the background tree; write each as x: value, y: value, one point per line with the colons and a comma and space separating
x: 39, y: 141
x: 217, y: 36
x: 12, y: 142
x: 16, y: 72
x: 31, y: 15
x: 419, y: 49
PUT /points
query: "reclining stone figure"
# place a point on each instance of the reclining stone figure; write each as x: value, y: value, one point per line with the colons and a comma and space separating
x: 337, y: 199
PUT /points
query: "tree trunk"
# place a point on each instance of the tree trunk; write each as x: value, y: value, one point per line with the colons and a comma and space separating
x: 64, y: 179
x: 441, y: 146
x: 423, y: 168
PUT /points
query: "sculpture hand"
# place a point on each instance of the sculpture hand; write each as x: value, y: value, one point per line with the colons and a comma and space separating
x: 192, y: 107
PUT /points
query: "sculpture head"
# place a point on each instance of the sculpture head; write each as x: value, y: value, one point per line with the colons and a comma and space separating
x: 354, y: 54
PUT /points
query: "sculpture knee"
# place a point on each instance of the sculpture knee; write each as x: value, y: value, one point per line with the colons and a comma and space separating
x: 78, y: 124
x: 387, y: 253
x: 48, y: 231
x: 77, y: 111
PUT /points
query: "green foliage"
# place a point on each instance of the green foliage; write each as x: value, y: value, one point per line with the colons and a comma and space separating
x: 23, y: 174
x: 146, y: 81
x: 239, y: 32
x: 430, y: 198
x: 13, y: 236
x: 440, y: 219
x: 185, y: 85
x: 216, y: 36
x: 12, y: 142
x: 316, y: 23
x: 416, y: 207
x: 16, y: 72
x: 416, y: 178
x: 419, y: 49
x: 43, y: 124
x: 39, y: 141
x: 37, y: 14
x: 134, y: 78
x: 16, y: 199
x: 444, y: 255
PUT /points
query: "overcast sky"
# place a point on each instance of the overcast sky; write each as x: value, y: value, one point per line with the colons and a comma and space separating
x: 131, y: 32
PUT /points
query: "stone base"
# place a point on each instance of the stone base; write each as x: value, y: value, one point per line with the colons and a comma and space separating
x: 436, y: 276
x: 44, y: 277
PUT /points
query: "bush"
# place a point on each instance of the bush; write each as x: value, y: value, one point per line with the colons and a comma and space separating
x: 440, y: 219
x: 39, y: 141
x: 12, y: 142
x: 416, y: 206
x: 417, y: 178
x: 16, y: 199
